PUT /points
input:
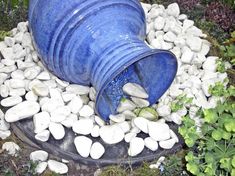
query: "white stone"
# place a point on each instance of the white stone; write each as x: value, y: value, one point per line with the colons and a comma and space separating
x: 95, y: 131
x: 117, y: 118
x: 40, y: 89
x: 17, y: 92
x: 3, y: 77
x: 159, y: 23
x: 164, y: 110
x: 187, y: 24
x: 38, y: 155
x: 174, y: 136
x: 21, y: 111
x: 18, y: 74
x: 159, y: 131
x: 60, y: 113
x: 173, y: 10
x: 187, y: 56
x: 70, y: 120
x: 210, y: 64
x: 175, y: 117
x: 9, y: 41
x: 44, y: 76
x: 31, y: 96
x: 129, y: 114
x: 32, y: 72
x: 99, y: 121
x: 151, y: 144
x: 167, y: 45
x: 92, y: 93
x: 182, y: 17
x: 67, y: 96
x: 86, y: 111
x: 75, y: 104
x: 169, y: 37
x: 61, y: 83
x: 135, y: 90
x: 57, y: 167
x: 11, y: 101
x: 41, y: 167
x: 27, y: 40
x: 4, y: 91
x: 111, y: 134
x: 22, y: 27
x: 11, y: 148
x: 141, y: 123
x: 136, y: 146
x: 195, y: 43
x: 167, y: 144
x: 125, y: 126
x: 78, y: 89
x: 180, y: 42
x: 7, y: 53
x: 56, y: 95
x: 135, y: 130
x: 41, y: 121
x: 139, y: 102
x: 50, y: 105
x: 125, y: 104
x: 3, y: 124
x: 97, y: 150
x: 83, y: 126
x: 5, y: 134
x: 129, y: 136
x: 8, y: 62
x: 83, y: 145
x: 43, y: 136
x: 57, y: 130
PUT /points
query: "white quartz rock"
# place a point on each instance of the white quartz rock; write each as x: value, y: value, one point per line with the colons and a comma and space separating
x: 158, y: 131
x: 17, y: 83
x: 5, y: 134
x: 97, y: 150
x: 78, y: 89
x: 7, y: 53
x: 129, y: 136
x: 11, y: 101
x: 125, y: 104
x: 187, y: 56
x: 38, y: 155
x: 40, y: 89
x: 21, y: 111
x: 83, y: 145
x: 174, y: 136
x: 135, y: 90
x: 17, y: 92
x: 129, y: 114
x: 60, y: 113
x: 159, y: 23
x: 117, y: 118
x: 210, y: 64
x: 86, y: 111
x: 3, y: 124
x: 41, y: 121
x: 43, y: 136
x: 41, y: 167
x: 83, y: 126
x: 11, y: 148
x: 56, y: 95
x: 31, y: 96
x: 151, y: 144
x: 167, y: 144
x: 92, y: 94
x: 175, y: 117
x: 173, y: 10
x: 22, y: 27
x: 187, y: 24
x: 4, y: 91
x: 136, y: 146
x: 75, y: 104
x: 169, y: 36
x: 57, y: 167
x: 99, y: 121
x: 164, y: 110
x: 32, y: 72
x: 44, y: 76
x: 139, y: 102
x: 141, y: 123
x: 67, y: 96
x: 18, y: 74
x: 57, y: 130
x: 125, y: 126
x: 111, y: 134
x: 70, y: 120
x: 95, y: 131
x: 195, y: 43
x: 50, y: 105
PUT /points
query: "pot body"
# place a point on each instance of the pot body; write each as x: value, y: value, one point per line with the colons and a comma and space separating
x: 100, y: 43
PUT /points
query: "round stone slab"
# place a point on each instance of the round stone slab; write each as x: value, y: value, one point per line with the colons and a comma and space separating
x: 114, y: 154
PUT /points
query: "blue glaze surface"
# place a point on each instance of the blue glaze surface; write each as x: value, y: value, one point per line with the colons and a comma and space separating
x: 100, y: 43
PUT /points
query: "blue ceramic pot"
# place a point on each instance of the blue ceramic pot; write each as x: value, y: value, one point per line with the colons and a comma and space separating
x: 100, y: 43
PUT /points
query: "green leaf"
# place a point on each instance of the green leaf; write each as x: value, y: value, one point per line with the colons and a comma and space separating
x: 193, y: 168
x: 233, y: 161
x: 225, y: 163
x: 210, y: 115
x: 209, y: 157
x: 226, y: 135
x: 216, y: 134
x: 230, y: 125
x: 189, y: 157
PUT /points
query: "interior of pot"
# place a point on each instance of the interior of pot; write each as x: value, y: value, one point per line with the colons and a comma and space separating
x: 154, y: 71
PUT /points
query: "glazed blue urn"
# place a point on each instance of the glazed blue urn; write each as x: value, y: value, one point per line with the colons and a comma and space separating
x: 100, y: 43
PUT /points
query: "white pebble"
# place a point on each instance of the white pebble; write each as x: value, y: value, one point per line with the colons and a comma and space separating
x: 86, y: 111
x: 11, y: 148
x: 173, y: 10
x: 136, y: 146
x: 117, y: 118
x: 83, y: 126
x: 167, y: 144
x: 125, y: 104
x: 41, y: 167
x: 97, y: 150
x: 75, y: 104
x: 141, y: 123
x: 159, y: 131
x: 11, y: 101
x: 95, y: 131
x: 57, y: 130
x: 41, y: 121
x: 135, y: 90
x: 38, y: 155
x: 43, y: 136
x: 151, y: 144
x: 129, y: 136
x: 57, y: 167
x: 111, y: 134
x: 83, y: 145
x: 5, y: 134
x: 78, y: 89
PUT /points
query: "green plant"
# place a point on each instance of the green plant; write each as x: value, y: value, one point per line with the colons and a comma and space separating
x: 144, y: 170
x: 213, y: 149
x: 114, y: 171
x: 3, y: 34
x: 221, y: 66
x: 179, y: 102
x: 228, y: 49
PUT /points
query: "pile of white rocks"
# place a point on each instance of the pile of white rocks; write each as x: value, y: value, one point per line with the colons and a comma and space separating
x: 54, y: 105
